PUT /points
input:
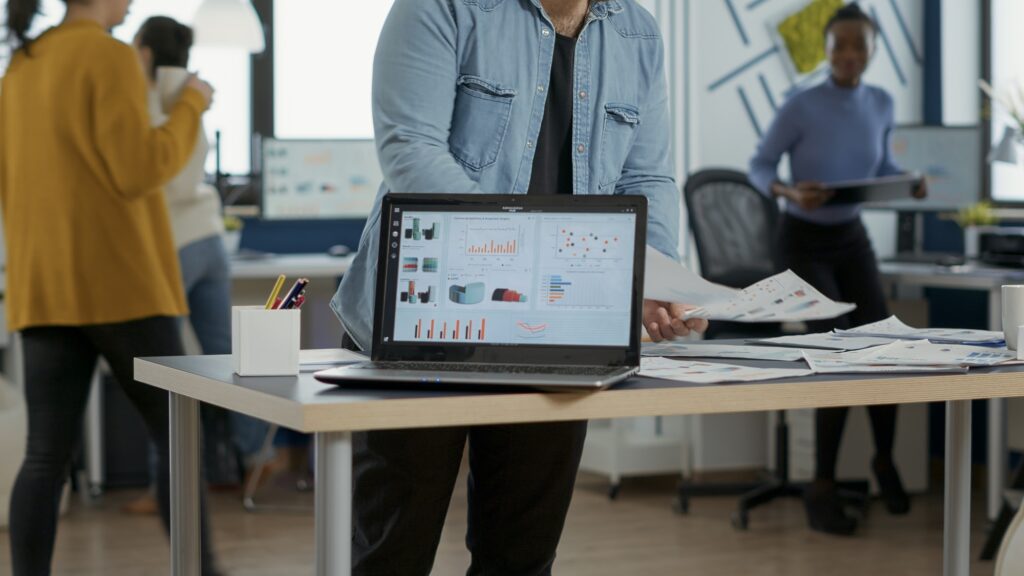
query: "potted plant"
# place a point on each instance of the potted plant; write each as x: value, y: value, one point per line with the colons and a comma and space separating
x: 971, y: 219
x: 232, y: 233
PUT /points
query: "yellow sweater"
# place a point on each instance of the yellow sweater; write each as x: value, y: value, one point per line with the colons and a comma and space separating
x: 88, y: 236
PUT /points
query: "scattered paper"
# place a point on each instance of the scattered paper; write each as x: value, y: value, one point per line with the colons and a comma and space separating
x: 825, y: 341
x: 669, y: 281
x: 895, y: 329
x: 924, y: 353
x: 700, y: 350
x: 784, y: 297
x: 856, y: 362
x: 708, y: 373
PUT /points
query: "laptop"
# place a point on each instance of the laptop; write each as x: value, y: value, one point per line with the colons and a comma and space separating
x: 506, y: 290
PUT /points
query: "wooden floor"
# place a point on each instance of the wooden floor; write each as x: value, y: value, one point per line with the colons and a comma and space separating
x: 637, y: 534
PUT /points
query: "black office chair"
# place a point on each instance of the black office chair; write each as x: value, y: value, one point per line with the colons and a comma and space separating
x: 734, y: 227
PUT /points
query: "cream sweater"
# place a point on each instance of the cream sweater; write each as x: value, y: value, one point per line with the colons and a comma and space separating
x: 194, y: 205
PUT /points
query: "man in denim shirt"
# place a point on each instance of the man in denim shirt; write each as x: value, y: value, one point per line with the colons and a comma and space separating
x: 503, y: 96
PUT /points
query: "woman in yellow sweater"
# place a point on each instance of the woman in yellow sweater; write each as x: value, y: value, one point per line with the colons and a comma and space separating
x: 92, y: 270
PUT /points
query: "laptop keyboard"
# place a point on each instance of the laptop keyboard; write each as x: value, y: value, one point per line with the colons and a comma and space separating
x: 492, y: 368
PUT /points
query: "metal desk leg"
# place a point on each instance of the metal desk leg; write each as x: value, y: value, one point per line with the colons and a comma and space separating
x: 333, y: 503
x: 185, y: 553
x: 997, y: 455
x: 998, y: 451
x: 956, y: 548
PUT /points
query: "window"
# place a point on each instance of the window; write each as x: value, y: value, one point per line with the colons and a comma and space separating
x: 323, y: 67
x: 1007, y: 181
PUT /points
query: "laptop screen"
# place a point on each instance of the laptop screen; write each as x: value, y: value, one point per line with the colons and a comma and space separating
x: 510, y: 274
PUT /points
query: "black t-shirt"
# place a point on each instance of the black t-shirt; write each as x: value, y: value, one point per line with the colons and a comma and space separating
x: 552, y: 161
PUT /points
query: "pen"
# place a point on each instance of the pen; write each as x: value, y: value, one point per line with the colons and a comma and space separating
x: 292, y: 293
x: 273, y: 294
x: 300, y: 297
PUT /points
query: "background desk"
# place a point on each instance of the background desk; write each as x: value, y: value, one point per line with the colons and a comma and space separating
x: 333, y: 414
x: 989, y: 279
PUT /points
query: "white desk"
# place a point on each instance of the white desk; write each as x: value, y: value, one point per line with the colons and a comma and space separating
x: 332, y: 414
x: 989, y: 279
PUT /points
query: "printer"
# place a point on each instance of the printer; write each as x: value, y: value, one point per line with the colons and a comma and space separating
x: 1001, y: 246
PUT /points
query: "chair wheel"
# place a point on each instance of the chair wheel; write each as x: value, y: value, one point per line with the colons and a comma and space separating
x: 613, y: 491
x: 740, y: 520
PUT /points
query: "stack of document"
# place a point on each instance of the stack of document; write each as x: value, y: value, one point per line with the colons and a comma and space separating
x: 784, y: 297
x: 886, y: 347
x: 908, y: 356
x: 894, y: 329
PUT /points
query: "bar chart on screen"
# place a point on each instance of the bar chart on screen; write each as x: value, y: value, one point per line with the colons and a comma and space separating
x: 467, y: 330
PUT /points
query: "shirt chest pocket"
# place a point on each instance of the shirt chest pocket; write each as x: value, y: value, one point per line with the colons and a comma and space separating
x: 620, y: 124
x: 479, y: 121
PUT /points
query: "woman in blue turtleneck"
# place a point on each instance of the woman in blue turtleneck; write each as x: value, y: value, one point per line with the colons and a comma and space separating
x: 836, y: 131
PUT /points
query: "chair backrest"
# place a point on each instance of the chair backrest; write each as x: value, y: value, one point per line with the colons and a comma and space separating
x: 734, y: 227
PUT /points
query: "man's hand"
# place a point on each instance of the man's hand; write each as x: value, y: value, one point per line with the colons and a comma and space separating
x: 664, y: 320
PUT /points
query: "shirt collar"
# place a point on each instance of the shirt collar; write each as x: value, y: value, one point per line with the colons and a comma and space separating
x: 599, y: 9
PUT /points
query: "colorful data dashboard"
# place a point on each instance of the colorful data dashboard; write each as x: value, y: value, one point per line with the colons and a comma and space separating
x: 514, y: 278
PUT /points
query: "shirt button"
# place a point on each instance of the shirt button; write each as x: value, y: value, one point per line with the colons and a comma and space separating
x: 540, y: 88
x: 583, y: 94
x: 545, y: 32
x: 581, y: 148
x: 529, y: 143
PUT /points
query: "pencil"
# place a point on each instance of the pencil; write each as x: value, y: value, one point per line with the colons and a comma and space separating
x: 273, y: 295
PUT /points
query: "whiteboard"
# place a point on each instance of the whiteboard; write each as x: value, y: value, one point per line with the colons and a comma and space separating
x: 309, y: 179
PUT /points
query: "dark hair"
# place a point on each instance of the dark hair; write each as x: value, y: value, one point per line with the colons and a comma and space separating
x: 20, y: 14
x: 852, y: 12
x: 168, y: 39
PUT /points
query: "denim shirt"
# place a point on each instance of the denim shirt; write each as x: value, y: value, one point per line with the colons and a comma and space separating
x: 459, y: 89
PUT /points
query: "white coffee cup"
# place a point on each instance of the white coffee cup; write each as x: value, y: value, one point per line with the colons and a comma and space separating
x: 1013, y: 314
x: 170, y: 81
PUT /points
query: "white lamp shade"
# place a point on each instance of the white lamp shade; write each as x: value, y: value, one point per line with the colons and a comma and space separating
x: 1006, y: 151
x: 229, y: 24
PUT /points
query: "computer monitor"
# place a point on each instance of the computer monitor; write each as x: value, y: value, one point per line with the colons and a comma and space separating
x: 312, y: 179
x: 950, y: 157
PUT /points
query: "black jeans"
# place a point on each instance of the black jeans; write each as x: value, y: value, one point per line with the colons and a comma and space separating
x: 520, y: 484
x: 521, y: 479
x: 839, y: 261
x: 59, y: 362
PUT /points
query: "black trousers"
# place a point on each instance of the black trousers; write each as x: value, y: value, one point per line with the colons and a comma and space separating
x: 59, y: 362
x: 520, y: 484
x: 839, y: 261
x: 521, y: 479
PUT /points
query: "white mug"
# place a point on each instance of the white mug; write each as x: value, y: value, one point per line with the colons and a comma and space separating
x: 1013, y: 314
x: 170, y: 81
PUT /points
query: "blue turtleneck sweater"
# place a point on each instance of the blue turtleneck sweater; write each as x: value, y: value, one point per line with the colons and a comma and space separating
x: 831, y: 134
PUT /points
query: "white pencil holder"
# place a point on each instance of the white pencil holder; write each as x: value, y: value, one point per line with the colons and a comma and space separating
x: 265, y: 342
